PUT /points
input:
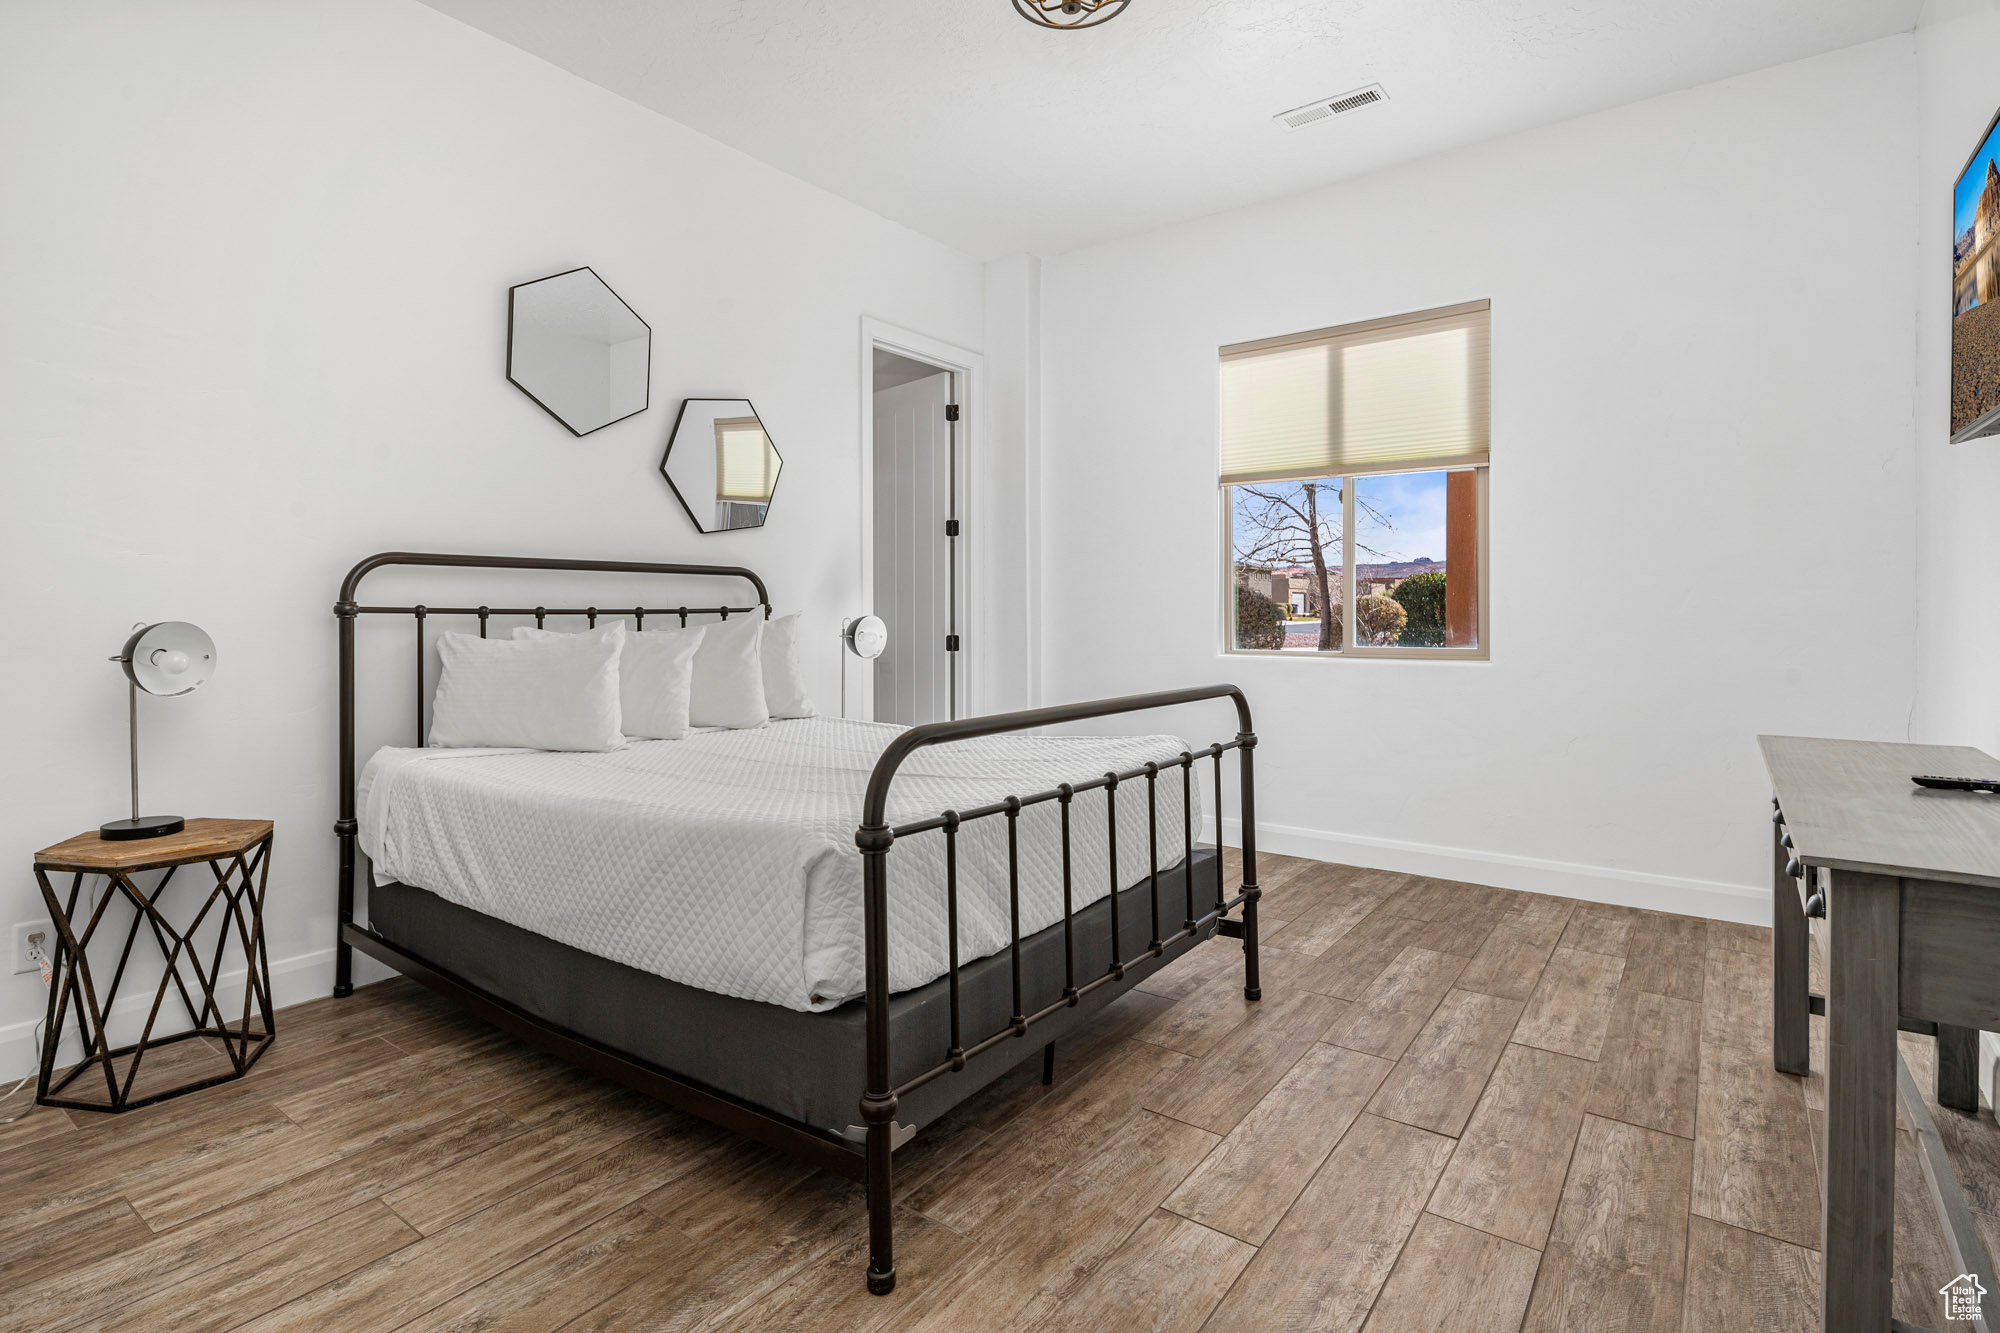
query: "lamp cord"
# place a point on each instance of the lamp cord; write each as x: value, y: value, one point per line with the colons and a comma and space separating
x: 36, y: 952
x: 23, y: 1114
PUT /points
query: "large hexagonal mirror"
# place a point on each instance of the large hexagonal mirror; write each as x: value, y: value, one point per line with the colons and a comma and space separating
x: 721, y: 464
x: 578, y: 350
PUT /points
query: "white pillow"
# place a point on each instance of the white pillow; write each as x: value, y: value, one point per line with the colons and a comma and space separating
x: 729, y: 675
x: 655, y: 675
x: 557, y: 694
x: 784, y: 683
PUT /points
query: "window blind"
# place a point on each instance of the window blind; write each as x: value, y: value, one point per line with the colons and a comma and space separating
x: 742, y: 460
x: 1390, y: 395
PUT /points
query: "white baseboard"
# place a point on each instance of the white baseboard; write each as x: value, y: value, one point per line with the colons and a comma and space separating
x: 307, y: 976
x: 1568, y: 879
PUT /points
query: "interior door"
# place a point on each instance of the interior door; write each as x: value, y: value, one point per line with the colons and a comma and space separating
x: 915, y: 519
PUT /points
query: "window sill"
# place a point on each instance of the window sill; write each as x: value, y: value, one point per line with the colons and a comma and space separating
x: 1437, y: 655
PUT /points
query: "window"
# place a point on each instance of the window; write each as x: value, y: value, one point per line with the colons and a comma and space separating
x: 746, y: 472
x: 1354, y: 466
x: 744, y: 464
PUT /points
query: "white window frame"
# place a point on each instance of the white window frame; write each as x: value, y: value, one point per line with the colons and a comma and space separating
x: 1349, y: 648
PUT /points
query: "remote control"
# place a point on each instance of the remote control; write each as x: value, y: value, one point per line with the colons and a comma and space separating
x: 1990, y: 786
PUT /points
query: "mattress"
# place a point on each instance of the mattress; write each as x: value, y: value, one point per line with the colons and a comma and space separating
x: 725, y: 861
x: 805, y: 1067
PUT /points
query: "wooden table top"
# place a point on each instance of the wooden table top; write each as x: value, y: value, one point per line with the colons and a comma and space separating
x: 1850, y: 805
x: 201, y: 840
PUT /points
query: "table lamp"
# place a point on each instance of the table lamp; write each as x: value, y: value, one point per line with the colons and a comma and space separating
x: 865, y: 637
x: 168, y: 658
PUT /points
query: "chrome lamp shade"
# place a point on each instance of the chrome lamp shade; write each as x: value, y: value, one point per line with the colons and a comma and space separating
x: 865, y: 636
x: 168, y: 658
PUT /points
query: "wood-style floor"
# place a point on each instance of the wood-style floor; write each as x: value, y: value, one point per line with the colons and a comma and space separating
x: 1456, y: 1108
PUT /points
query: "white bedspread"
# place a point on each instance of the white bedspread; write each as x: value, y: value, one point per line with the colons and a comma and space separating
x: 726, y: 860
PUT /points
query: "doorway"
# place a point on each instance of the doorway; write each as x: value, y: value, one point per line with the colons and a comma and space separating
x: 920, y: 502
x: 915, y: 565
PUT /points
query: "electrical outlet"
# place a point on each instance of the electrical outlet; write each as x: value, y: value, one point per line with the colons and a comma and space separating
x: 26, y: 932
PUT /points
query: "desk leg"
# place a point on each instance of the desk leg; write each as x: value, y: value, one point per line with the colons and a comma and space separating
x: 1791, y: 1041
x: 1858, y: 1224
x: 1958, y: 1067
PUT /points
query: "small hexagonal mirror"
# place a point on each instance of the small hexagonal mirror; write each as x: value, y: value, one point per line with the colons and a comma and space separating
x: 721, y: 464
x: 578, y: 350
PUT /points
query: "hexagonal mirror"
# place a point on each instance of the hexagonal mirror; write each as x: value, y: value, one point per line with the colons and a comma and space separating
x: 578, y: 350
x: 721, y: 464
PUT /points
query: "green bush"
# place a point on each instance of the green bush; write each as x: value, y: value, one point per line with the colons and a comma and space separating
x: 1379, y: 618
x: 1260, y: 622
x: 1422, y: 597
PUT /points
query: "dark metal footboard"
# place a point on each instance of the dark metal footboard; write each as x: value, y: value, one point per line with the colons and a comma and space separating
x: 875, y: 837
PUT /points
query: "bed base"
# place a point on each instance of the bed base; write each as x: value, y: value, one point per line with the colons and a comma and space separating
x: 818, y: 1147
x: 872, y: 1162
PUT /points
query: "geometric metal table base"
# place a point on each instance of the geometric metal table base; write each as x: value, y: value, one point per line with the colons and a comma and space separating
x: 233, y: 909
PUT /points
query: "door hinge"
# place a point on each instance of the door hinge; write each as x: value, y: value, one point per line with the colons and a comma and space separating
x: 951, y: 527
x: 951, y: 643
x: 951, y: 411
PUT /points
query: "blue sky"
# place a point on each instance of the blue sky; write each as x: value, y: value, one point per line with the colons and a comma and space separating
x: 1966, y: 197
x: 1414, y: 503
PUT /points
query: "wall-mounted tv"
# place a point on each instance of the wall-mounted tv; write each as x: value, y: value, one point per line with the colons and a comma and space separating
x: 1975, y: 292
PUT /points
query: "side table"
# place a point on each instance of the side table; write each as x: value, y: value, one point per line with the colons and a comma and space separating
x: 237, y: 853
x: 1906, y: 884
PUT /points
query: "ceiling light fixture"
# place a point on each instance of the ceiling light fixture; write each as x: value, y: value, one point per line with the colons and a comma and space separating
x: 1066, y: 14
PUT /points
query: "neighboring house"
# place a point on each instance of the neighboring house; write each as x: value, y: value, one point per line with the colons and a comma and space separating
x: 1295, y: 586
x: 1262, y: 578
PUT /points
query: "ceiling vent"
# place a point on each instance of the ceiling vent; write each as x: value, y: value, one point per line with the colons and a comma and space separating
x: 1326, y: 108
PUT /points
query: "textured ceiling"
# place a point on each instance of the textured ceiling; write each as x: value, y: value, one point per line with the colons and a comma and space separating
x: 969, y: 124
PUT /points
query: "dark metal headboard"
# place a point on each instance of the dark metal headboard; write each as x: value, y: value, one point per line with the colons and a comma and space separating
x: 347, y: 609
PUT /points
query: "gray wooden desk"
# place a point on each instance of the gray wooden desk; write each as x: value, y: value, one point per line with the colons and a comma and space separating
x: 1911, y: 882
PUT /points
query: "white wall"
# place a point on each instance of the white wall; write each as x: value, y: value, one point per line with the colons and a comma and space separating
x: 1005, y: 621
x: 1958, y: 499
x: 1958, y: 506
x: 1701, y: 491
x: 255, y: 262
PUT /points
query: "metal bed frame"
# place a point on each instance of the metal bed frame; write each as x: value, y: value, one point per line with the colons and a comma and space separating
x: 871, y: 1162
